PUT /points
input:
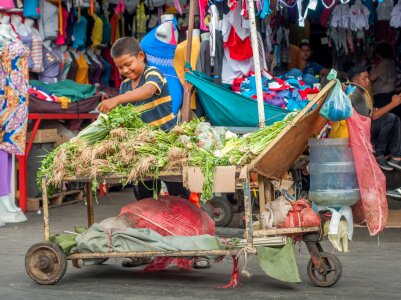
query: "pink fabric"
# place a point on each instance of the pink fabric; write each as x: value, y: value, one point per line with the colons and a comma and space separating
x: 7, y: 4
x: 61, y: 37
x: 202, y: 10
x: 372, y: 183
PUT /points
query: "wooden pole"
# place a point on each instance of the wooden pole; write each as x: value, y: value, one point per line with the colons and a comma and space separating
x: 89, y: 204
x: 187, y: 85
x: 45, y: 209
x: 256, y: 62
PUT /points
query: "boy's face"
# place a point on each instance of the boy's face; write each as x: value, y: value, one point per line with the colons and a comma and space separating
x: 305, y: 52
x: 130, y: 66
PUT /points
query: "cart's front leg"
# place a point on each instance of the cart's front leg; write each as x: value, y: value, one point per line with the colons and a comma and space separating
x: 45, y: 209
x: 89, y: 204
x: 312, y: 242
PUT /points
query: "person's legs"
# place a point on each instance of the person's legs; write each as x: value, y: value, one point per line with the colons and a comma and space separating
x: 394, y: 141
x: 177, y: 189
x: 380, y: 135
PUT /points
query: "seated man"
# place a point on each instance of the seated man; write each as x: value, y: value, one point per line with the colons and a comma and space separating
x: 310, y: 67
x: 386, y: 127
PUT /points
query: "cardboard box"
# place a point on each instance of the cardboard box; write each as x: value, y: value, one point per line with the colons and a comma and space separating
x: 61, y: 139
x: 43, y: 136
x: 224, y: 179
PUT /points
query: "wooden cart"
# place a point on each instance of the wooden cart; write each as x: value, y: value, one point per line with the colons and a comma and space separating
x: 46, y: 263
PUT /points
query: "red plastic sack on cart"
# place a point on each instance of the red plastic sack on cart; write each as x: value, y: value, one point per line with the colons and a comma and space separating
x: 373, y: 207
x: 302, y: 215
x: 169, y: 216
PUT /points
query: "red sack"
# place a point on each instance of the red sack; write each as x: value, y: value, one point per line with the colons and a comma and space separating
x: 373, y: 207
x: 309, y: 218
x: 169, y: 216
x: 302, y: 215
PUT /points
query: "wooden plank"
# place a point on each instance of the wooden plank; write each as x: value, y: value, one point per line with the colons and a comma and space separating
x: 282, y: 231
x: 56, y: 200
x: 394, y: 219
x: 285, y: 149
x: 188, y: 253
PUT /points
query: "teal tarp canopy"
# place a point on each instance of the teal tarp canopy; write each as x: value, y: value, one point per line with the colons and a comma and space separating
x: 224, y: 107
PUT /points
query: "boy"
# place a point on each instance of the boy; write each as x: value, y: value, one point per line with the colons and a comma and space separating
x: 308, y: 66
x: 144, y: 86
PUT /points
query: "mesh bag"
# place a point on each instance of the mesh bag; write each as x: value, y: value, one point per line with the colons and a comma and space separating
x: 169, y: 216
x: 372, y: 184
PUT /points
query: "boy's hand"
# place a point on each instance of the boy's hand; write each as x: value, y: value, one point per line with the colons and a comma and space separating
x: 107, y: 105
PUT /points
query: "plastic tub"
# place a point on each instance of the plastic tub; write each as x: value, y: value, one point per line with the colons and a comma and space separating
x: 333, y: 180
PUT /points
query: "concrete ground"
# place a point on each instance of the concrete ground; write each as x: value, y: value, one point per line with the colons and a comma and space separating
x: 370, y: 271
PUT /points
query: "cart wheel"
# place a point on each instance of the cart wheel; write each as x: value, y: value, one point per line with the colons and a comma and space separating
x: 222, y: 211
x: 45, y: 263
x: 328, y: 278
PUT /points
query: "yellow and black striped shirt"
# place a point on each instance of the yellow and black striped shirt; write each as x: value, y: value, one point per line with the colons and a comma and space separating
x: 157, y: 110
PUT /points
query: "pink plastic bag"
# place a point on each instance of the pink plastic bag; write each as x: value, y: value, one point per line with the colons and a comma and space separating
x: 372, y: 183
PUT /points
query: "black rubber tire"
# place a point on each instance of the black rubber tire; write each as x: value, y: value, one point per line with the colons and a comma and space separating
x: 334, y: 271
x: 45, y: 263
x: 222, y: 211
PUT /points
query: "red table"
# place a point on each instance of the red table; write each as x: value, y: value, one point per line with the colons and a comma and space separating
x: 38, y: 117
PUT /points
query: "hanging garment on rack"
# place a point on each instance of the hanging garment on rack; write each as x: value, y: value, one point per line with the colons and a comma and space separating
x: 48, y: 22
x: 396, y: 16
x: 72, y: 72
x: 180, y: 58
x: 105, y: 78
x: 97, y: 32
x: 203, y: 63
x: 62, y: 35
x: 51, y: 65
x: 36, y: 53
x: 89, y: 27
x: 13, y: 101
x: 83, y: 69
x: 31, y: 9
x: 341, y: 16
x: 27, y: 41
x: 359, y: 16
x: 161, y: 55
x: 79, y: 32
x: 106, y: 37
x: 384, y: 10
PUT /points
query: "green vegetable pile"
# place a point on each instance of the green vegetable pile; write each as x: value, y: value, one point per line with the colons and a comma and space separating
x: 120, y: 144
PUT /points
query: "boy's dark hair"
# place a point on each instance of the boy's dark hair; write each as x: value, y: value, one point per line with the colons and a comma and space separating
x: 304, y: 44
x: 125, y: 45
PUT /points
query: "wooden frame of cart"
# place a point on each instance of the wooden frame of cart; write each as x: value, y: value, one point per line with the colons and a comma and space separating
x: 46, y: 263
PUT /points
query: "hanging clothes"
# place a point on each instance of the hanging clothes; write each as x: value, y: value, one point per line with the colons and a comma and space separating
x: 72, y: 72
x: 36, y: 53
x: 203, y: 64
x: 51, y: 65
x: 180, y: 59
x: 106, y: 37
x: 89, y: 26
x: 27, y: 41
x: 161, y: 55
x: 79, y: 32
x: 105, y: 78
x: 97, y: 32
x: 31, y: 9
x: 48, y: 22
x: 5, y: 173
x: 83, y: 70
x: 13, y: 97
x: 62, y: 35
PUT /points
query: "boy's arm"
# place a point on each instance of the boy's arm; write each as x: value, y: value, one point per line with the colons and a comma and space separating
x: 142, y: 93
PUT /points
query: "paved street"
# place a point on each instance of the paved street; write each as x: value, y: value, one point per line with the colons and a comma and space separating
x: 370, y: 271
